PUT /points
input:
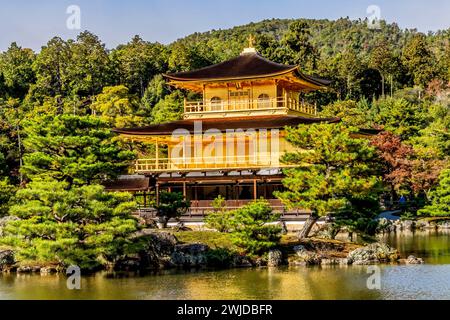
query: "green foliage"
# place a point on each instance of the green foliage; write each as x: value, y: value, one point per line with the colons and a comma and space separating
x: 219, y: 258
x: 156, y: 90
x: 138, y: 61
x: 298, y: 41
x: 89, y: 66
x: 168, y: 109
x: 7, y: 191
x: 76, y: 149
x: 171, y: 205
x: 251, y: 229
x: 188, y: 57
x: 383, y: 60
x: 434, y: 140
x: 11, y: 115
x: 83, y: 226
x: 350, y: 112
x: 336, y: 173
x: 16, y: 67
x: 220, y: 219
x: 440, y: 198
x: 400, y: 116
x: 418, y: 60
x: 118, y: 108
x: 51, y: 69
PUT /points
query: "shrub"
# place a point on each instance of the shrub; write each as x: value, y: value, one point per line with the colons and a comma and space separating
x: 251, y: 228
x: 219, y: 258
x: 220, y: 219
x: 171, y: 205
x: 84, y: 226
x: 440, y: 198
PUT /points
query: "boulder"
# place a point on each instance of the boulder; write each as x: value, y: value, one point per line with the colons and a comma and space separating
x: 189, y: 255
x: 335, y: 262
x: 156, y: 254
x: 305, y: 257
x: 385, y: 226
x: 275, y: 258
x: 373, y: 254
x: 6, y: 260
x: 299, y: 249
x: 414, y: 260
x: 240, y: 261
x: 24, y: 269
x: 408, y: 225
x: 48, y: 270
x: 444, y: 225
x: 129, y: 263
x: 424, y: 225
x: 261, y: 262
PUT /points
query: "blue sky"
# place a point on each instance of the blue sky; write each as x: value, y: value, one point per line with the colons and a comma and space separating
x: 33, y: 23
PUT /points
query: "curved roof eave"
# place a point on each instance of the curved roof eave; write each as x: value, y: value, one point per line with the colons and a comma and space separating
x: 184, y: 80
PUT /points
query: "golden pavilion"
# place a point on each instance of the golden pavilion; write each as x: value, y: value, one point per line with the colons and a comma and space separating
x: 230, y: 141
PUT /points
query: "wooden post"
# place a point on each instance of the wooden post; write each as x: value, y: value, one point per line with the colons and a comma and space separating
x: 145, y: 199
x: 265, y: 190
x: 204, y: 97
x: 184, y: 189
x: 285, y: 99
x: 255, y: 189
x: 157, y: 154
x: 157, y: 193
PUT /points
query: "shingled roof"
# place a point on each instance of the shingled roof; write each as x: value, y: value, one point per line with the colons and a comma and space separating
x: 245, y: 66
x: 244, y: 123
x: 128, y: 183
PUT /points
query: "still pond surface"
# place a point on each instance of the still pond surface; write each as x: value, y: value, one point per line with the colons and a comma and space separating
x: 429, y: 281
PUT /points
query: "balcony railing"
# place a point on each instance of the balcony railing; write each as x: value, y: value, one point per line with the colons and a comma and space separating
x: 269, y: 104
x: 206, y: 163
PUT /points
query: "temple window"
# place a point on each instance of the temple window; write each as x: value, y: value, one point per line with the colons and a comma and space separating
x: 263, y: 101
x: 216, y: 104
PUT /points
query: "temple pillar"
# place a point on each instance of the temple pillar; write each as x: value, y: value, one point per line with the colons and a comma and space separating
x: 157, y: 193
x: 145, y: 199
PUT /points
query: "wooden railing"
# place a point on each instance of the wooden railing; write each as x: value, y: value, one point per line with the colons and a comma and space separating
x: 202, y: 208
x: 205, y: 163
x: 249, y: 105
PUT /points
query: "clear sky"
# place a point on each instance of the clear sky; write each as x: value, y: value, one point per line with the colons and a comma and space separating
x: 32, y: 23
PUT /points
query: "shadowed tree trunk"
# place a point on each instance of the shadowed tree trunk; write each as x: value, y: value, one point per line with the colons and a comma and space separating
x: 304, y: 233
x: 162, y: 222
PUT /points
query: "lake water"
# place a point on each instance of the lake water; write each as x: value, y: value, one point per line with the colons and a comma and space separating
x: 428, y: 281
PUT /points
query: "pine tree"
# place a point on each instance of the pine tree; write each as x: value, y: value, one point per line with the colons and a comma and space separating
x: 83, y: 226
x: 440, y: 198
x: 334, y: 173
x: 76, y: 149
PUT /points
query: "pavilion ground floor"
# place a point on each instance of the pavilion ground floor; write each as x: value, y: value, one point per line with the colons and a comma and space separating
x: 238, y: 188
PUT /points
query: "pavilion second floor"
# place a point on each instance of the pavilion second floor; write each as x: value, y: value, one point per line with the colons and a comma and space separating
x: 215, y: 144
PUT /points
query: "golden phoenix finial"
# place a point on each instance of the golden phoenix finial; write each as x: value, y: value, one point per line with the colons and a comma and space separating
x: 251, y: 41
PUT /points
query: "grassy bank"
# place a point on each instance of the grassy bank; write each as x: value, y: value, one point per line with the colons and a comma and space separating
x: 216, y: 240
